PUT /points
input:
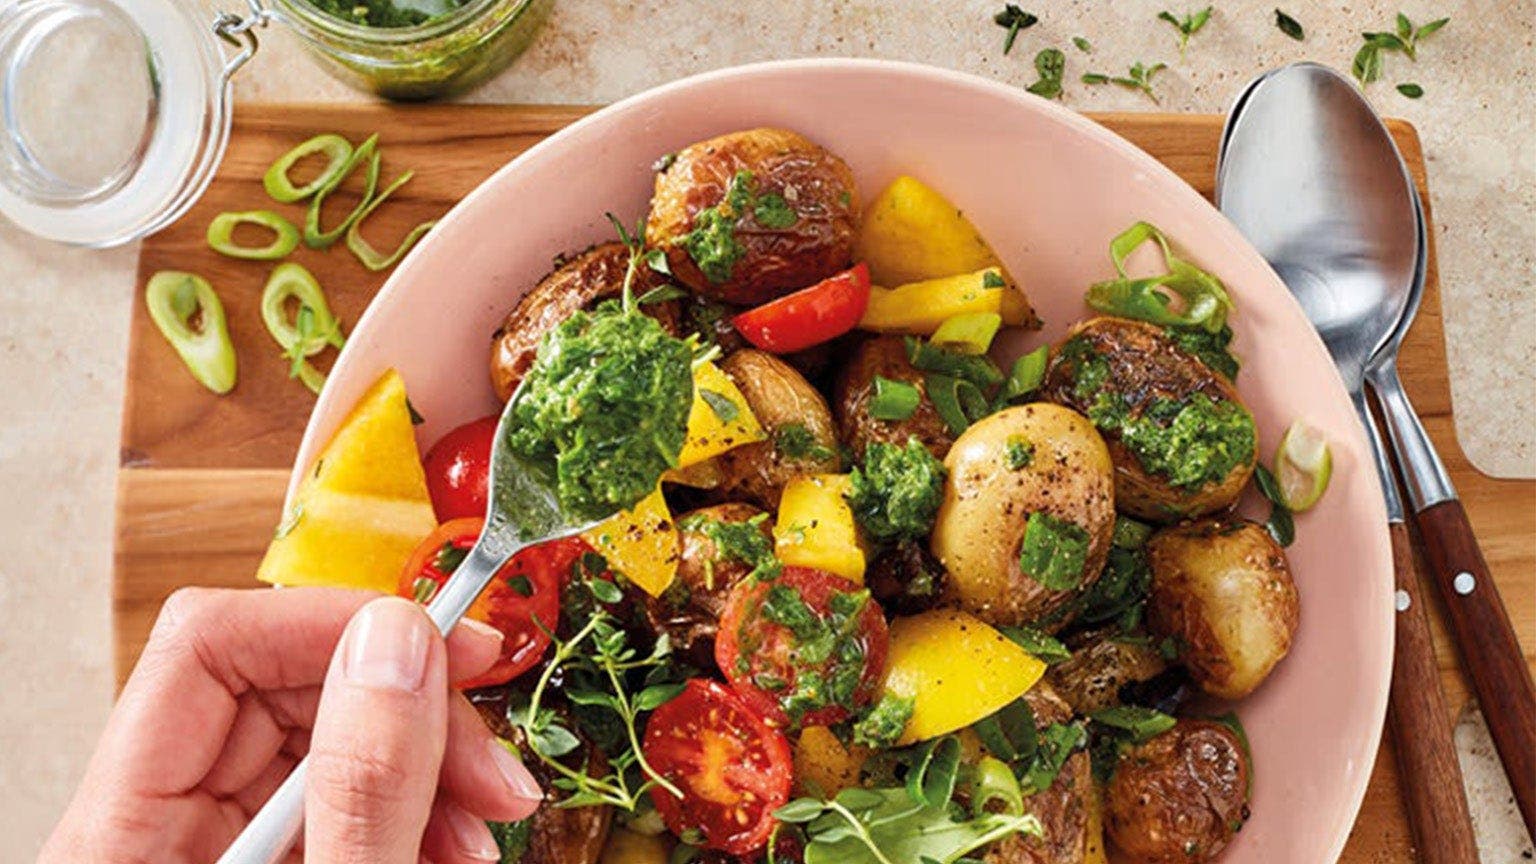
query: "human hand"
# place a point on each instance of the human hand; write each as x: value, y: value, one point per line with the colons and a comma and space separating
x: 227, y: 698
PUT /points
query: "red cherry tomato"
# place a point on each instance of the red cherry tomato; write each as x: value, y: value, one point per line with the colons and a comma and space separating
x: 733, y: 769
x: 459, y: 468
x: 810, y: 316
x: 526, y: 590
x: 806, y: 649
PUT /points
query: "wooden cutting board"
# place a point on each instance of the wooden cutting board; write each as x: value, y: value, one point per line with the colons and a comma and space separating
x: 202, y: 477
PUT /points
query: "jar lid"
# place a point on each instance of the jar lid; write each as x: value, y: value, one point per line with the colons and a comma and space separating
x: 115, y: 113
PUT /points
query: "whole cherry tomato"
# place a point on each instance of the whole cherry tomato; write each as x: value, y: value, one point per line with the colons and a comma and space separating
x: 459, y: 468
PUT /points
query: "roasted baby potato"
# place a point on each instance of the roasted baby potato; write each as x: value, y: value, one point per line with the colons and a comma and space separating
x: 801, y: 437
x: 1033, y: 468
x: 577, y: 283
x: 1181, y: 796
x: 689, y: 611
x: 749, y: 216
x: 1223, y: 591
x: 886, y: 357
x: 905, y: 578
x: 1182, y: 441
x: 1063, y: 808
x: 1102, y: 664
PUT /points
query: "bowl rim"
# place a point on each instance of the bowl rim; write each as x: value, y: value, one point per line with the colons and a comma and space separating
x: 1226, y: 235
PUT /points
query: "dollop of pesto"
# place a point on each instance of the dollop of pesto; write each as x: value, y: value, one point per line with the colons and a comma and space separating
x: 741, y: 542
x: 604, y: 410
x: 386, y: 13
x: 1191, y: 442
x: 820, y: 641
x: 1054, y: 552
x: 712, y: 243
x: 897, y: 493
x: 883, y: 725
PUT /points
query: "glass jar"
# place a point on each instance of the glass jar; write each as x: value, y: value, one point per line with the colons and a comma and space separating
x: 445, y: 55
x: 115, y: 113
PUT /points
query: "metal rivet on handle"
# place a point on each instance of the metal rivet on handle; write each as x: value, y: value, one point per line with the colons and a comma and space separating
x: 1464, y: 583
x: 1402, y: 601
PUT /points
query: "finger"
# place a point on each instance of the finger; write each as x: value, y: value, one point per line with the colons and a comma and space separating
x: 456, y: 836
x: 378, y: 740
x: 480, y: 773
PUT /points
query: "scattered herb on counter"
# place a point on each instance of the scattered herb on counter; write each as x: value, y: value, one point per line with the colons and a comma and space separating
x: 1404, y: 39
x: 1411, y: 90
x: 1050, y: 64
x: 1187, y: 26
x: 1082, y: 44
x: 1014, y: 19
x: 1290, y: 26
x: 1138, y: 77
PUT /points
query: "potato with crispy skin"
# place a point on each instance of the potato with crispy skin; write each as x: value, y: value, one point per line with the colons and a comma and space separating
x: 1179, y: 797
x: 1062, y: 808
x: 577, y: 283
x: 885, y: 357
x: 752, y: 215
x: 801, y: 437
x: 1103, y: 662
x: 689, y: 611
x: 1183, y: 443
x: 1223, y: 591
x: 1027, y: 515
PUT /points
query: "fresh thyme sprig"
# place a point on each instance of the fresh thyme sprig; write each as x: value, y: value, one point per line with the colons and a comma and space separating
x: 1187, y: 26
x: 1013, y: 19
x: 1051, y: 65
x: 1138, y: 77
x: 1404, y: 39
x: 1290, y: 26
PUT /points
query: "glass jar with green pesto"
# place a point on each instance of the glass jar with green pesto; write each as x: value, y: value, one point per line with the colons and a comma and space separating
x: 414, y: 49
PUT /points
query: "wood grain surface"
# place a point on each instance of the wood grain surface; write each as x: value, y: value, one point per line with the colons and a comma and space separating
x: 203, y: 477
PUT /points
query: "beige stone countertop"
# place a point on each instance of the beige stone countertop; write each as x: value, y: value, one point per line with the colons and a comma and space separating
x: 64, y: 312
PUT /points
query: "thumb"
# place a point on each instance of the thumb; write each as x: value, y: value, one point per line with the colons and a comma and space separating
x: 378, y: 739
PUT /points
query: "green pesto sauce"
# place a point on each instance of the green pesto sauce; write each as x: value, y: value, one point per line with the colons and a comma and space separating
x: 883, y: 725
x: 712, y: 243
x: 1054, y: 552
x: 797, y: 441
x: 604, y: 410
x: 1210, y: 348
x: 742, y: 542
x: 827, y: 657
x: 386, y: 13
x: 896, y: 494
x: 1191, y: 442
x: 1020, y: 453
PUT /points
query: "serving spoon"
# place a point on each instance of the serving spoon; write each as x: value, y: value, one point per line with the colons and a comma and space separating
x: 521, y: 512
x: 1311, y: 177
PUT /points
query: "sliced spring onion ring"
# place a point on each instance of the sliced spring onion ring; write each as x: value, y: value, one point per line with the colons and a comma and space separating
x: 968, y: 333
x: 1205, y: 300
x: 975, y: 368
x: 893, y: 400
x: 280, y: 186
x: 371, y: 257
x: 313, y: 327
x: 174, y: 298
x: 1026, y: 376
x: 314, y: 236
x: 1303, y: 466
x: 958, y: 401
x: 221, y: 235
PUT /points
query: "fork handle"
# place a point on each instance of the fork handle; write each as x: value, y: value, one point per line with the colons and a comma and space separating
x: 1420, y: 725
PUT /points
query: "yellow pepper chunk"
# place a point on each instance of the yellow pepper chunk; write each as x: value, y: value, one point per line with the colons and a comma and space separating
x: 816, y: 528
x: 919, y: 308
x: 1094, y: 852
x: 956, y: 668
x: 362, y: 509
x: 912, y: 233
x: 823, y: 765
x: 719, y: 419
x: 641, y: 543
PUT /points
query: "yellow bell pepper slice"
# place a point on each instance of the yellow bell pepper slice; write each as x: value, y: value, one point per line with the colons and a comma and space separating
x: 720, y: 418
x: 912, y: 233
x: 642, y: 543
x: 919, y: 308
x: 816, y: 527
x: 1093, y: 852
x: 823, y: 765
x: 956, y: 668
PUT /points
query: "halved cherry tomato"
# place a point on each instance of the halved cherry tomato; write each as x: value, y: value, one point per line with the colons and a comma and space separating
x: 458, y: 470
x: 521, y: 598
x: 732, y: 768
x: 809, y: 316
x: 805, y: 649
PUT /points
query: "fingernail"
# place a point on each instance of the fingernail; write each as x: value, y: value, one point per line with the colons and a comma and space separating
x: 481, y: 629
x: 386, y: 646
x: 514, y: 773
x: 470, y: 834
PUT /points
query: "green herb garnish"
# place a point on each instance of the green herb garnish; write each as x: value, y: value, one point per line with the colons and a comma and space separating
x: 1140, y: 724
x: 893, y: 400
x: 1289, y: 26
x: 1050, y: 65
x: 885, y: 826
x: 896, y: 494
x: 1054, y: 552
x: 720, y: 404
x: 1138, y: 77
x: 796, y: 441
x: 1020, y: 453
x: 1187, y: 26
x: 1411, y: 90
x: 1014, y: 19
x: 1082, y: 44
x: 712, y: 243
x: 882, y: 726
x: 1281, y: 524
x: 1040, y: 645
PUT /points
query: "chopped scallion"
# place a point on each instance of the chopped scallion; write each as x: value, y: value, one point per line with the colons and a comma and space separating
x: 314, y: 236
x: 968, y: 333
x: 221, y: 235
x: 893, y: 400
x: 312, y: 328
x: 190, y: 317
x: 371, y: 257
x: 279, y: 185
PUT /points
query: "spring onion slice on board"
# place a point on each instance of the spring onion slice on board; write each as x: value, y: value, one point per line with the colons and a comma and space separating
x: 313, y: 327
x: 372, y: 258
x: 280, y: 186
x: 190, y: 316
x: 314, y: 236
x: 221, y: 235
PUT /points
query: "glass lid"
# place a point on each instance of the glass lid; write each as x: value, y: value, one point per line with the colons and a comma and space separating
x: 115, y: 113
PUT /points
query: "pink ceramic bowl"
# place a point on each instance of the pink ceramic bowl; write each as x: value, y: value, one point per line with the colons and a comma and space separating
x: 1049, y: 189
